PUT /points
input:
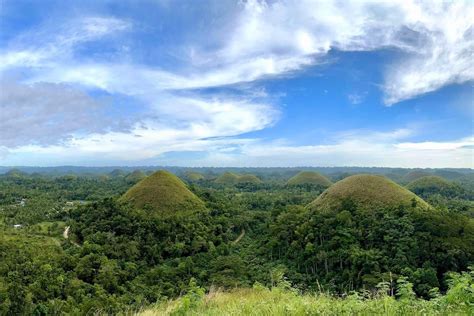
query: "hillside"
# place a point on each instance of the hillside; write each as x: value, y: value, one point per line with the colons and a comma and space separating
x: 429, y: 183
x: 227, y: 178
x: 135, y: 176
x: 309, y: 177
x: 162, y: 192
x: 117, y: 173
x: 415, y: 174
x: 249, y: 178
x: 194, y: 176
x: 365, y: 191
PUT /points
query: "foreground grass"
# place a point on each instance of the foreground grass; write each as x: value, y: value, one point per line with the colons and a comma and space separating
x: 277, y: 301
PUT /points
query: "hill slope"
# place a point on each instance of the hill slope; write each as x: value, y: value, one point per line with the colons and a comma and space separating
x: 366, y: 191
x: 433, y: 185
x: 309, y: 177
x: 162, y: 192
x: 194, y: 176
x: 415, y: 174
x: 135, y: 176
x: 248, y: 178
x: 227, y: 178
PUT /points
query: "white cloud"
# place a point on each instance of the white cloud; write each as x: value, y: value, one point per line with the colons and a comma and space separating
x: 49, y: 113
x: 356, y: 98
x: 174, y: 120
x: 436, y: 38
x: 371, y: 150
x: 210, y: 129
x: 45, y: 46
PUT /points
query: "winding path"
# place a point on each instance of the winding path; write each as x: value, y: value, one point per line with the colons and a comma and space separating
x: 66, y: 232
x: 242, y: 234
x: 66, y: 236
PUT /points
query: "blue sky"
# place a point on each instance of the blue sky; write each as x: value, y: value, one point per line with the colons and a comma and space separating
x: 237, y: 83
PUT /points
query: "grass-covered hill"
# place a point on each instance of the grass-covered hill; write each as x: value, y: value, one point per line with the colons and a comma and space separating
x: 135, y: 176
x: 117, y: 173
x: 194, y: 176
x: 15, y: 173
x: 229, y: 178
x: 415, y: 174
x: 249, y: 178
x: 365, y: 191
x: 433, y: 185
x: 368, y: 218
x: 309, y: 177
x: 162, y: 192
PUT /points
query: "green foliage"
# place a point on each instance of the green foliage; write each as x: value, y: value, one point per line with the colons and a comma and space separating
x: 429, y: 185
x: 286, y: 301
x: 358, y: 257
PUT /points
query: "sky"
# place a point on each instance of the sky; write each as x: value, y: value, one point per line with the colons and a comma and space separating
x: 237, y: 83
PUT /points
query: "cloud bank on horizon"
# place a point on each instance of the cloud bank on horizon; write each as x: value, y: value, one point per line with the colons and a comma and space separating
x: 248, y: 83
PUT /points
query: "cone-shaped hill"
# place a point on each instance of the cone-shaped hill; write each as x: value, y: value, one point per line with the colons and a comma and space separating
x: 227, y: 178
x: 415, y: 174
x: 117, y: 173
x: 194, y: 176
x: 366, y: 192
x: 249, y: 178
x: 15, y: 173
x: 431, y: 185
x: 309, y: 177
x: 135, y: 176
x: 162, y: 192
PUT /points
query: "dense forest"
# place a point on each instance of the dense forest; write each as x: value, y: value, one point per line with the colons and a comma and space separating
x: 116, y: 240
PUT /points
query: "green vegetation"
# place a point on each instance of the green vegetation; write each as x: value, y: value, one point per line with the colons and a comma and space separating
x: 367, y: 192
x: 162, y: 193
x: 309, y: 177
x: 365, y: 230
x: 425, y: 186
x: 74, y: 243
x: 284, y: 300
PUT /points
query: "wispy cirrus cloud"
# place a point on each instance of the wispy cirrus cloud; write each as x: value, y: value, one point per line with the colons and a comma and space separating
x: 170, y: 119
x: 46, y: 46
x: 435, y: 38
